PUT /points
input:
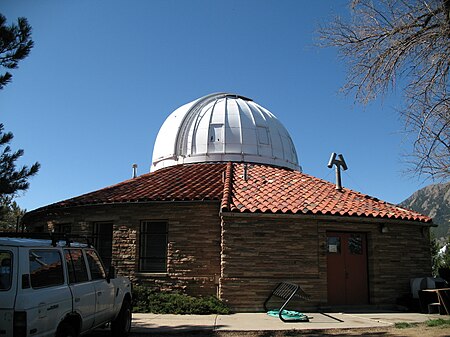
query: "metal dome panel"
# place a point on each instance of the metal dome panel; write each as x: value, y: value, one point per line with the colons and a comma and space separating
x: 223, y: 127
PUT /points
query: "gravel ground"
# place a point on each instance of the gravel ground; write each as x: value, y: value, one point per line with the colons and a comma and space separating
x: 421, y: 330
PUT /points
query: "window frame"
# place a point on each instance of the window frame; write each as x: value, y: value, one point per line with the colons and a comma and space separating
x: 63, y: 228
x: 70, y: 265
x: 337, y: 245
x: 61, y: 259
x: 103, y: 269
x: 146, y: 234
x: 11, y: 267
x: 107, y: 260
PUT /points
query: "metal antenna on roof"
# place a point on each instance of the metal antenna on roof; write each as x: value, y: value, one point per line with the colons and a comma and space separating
x: 339, y: 162
x: 245, y: 172
x: 134, y: 171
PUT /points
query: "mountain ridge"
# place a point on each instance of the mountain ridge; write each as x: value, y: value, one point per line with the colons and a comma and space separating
x: 433, y: 201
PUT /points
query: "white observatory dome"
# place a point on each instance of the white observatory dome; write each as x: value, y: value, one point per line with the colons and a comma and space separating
x: 223, y: 127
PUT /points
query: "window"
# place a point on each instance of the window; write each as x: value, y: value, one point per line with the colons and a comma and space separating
x: 153, y: 247
x: 5, y: 270
x: 95, y: 265
x: 103, y: 236
x: 45, y: 268
x: 355, y: 244
x: 76, y: 266
x: 64, y: 228
x: 334, y: 245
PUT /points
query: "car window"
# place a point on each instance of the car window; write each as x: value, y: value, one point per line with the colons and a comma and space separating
x: 5, y: 270
x: 95, y: 265
x: 76, y: 266
x: 45, y: 268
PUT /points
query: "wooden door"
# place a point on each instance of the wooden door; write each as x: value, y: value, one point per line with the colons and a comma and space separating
x: 347, y: 268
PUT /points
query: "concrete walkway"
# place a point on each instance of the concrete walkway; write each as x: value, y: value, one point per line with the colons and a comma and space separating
x: 153, y: 323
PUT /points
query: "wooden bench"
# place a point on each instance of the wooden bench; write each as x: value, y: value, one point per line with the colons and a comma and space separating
x: 287, y: 291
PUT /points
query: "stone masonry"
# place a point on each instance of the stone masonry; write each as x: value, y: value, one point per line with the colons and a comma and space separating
x: 242, y: 256
x: 260, y: 251
x: 193, y: 254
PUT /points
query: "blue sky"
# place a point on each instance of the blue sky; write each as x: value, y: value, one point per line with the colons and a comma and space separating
x: 89, y: 100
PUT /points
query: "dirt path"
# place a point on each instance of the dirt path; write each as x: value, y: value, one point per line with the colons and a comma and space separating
x: 420, y: 330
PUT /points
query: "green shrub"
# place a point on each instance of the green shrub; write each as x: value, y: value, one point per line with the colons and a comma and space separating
x: 146, y: 300
x: 404, y: 325
x: 438, y: 322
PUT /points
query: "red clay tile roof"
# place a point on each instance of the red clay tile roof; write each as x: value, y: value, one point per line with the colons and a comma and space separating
x: 175, y: 183
x: 267, y: 190
x: 277, y: 190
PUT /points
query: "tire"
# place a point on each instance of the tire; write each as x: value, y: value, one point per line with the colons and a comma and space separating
x: 66, y: 330
x: 121, y: 326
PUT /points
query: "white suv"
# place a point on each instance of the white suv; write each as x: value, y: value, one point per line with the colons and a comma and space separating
x: 58, y: 288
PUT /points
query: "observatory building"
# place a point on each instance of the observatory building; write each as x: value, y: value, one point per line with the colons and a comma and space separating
x: 226, y: 210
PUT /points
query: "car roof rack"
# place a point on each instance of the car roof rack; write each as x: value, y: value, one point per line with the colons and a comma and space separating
x: 54, y: 237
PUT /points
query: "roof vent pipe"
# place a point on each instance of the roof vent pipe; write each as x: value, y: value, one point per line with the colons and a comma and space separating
x: 134, y: 171
x: 245, y: 172
x: 339, y: 162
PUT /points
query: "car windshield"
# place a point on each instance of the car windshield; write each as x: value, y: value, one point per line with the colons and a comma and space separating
x: 5, y: 270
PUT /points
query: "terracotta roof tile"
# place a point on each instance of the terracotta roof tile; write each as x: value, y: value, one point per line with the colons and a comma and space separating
x: 278, y: 190
x: 267, y: 189
x: 175, y: 183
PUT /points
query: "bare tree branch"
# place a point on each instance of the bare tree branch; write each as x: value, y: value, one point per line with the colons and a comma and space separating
x: 406, y: 43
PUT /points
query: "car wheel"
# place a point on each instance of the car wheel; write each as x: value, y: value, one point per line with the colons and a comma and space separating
x: 121, y: 326
x: 66, y: 330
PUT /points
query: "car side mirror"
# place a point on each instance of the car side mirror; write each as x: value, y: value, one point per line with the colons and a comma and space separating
x: 111, y: 273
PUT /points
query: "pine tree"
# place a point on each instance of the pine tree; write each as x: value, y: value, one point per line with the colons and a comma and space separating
x: 15, y: 45
x: 11, y: 214
x: 12, y: 179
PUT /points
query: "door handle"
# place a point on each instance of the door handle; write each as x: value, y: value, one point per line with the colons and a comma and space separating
x: 99, y: 293
x: 52, y: 307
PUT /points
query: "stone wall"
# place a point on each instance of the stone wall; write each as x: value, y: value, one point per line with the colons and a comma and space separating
x: 241, y: 257
x: 193, y: 262
x: 258, y: 251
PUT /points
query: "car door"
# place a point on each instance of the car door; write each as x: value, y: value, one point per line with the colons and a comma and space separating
x: 104, y: 289
x: 83, y: 291
x: 8, y: 288
x: 44, y: 296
